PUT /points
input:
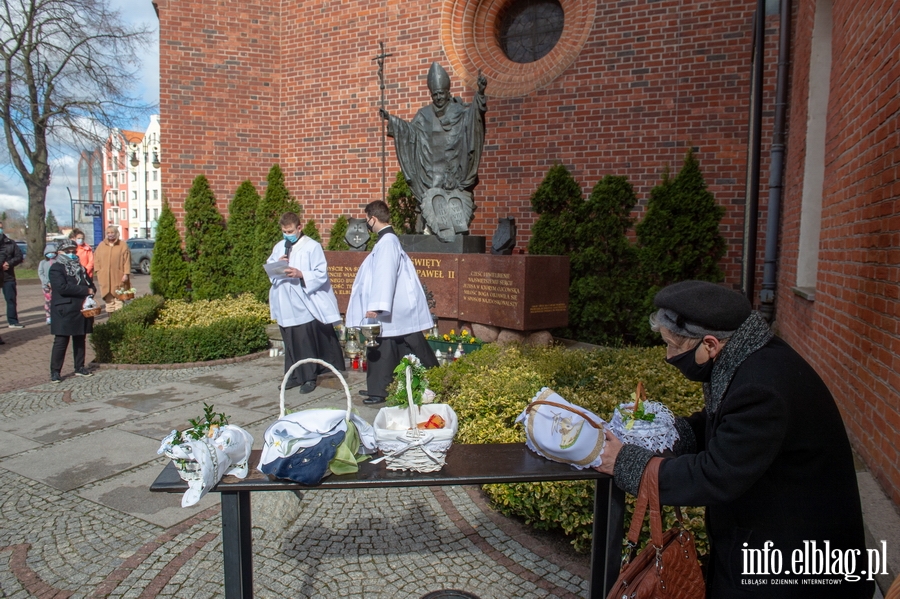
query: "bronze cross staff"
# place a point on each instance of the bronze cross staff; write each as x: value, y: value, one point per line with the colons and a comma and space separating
x: 380, y: 59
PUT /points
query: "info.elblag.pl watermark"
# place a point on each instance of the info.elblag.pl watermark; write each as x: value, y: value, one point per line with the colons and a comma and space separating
x: 814, y: 564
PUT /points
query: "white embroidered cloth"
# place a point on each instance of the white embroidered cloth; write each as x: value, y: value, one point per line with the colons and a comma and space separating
x: 656, y: 436
x: 301, y: 429
x: 202, y: 463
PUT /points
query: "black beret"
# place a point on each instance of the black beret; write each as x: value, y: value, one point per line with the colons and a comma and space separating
x: 706, y: 304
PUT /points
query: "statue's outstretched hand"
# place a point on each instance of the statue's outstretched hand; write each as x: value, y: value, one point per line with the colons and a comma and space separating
x: 383, y: 113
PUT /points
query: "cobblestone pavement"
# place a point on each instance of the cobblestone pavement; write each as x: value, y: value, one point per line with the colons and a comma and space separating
x: 77, y: 459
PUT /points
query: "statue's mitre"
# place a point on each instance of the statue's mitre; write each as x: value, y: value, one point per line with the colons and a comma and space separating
x: 438, y: 78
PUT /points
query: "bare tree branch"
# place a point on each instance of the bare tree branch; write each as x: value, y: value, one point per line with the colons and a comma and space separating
x: 66, y: 72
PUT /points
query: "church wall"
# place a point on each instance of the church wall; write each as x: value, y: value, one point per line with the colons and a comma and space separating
x: 247, y: 84
x: 849, y: 329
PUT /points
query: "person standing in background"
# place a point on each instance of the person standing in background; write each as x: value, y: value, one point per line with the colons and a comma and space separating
x: 44, y: 276
x: 85, y: 252
x: 112, y: 265
x: 69, y: 286
x: 10, y: 257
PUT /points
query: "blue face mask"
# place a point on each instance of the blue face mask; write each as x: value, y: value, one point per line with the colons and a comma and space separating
x: 49, y: 256
x: 291, y: 238
x: 72, y: 256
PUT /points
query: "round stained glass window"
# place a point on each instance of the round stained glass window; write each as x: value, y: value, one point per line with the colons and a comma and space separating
x: 529, y: 29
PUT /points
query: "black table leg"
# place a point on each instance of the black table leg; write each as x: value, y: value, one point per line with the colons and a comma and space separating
x: 609, y: 530
x: 237, y: 544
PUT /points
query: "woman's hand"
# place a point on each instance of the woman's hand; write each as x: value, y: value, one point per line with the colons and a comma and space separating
x: 610, y: 453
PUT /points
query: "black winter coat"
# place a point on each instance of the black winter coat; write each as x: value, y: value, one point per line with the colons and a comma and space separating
x: 12, y: 255
x: 66, y: 297
x: 774, y: 464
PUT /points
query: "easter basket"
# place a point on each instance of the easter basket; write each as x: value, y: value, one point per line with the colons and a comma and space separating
x: 647, y: 424
x: 90, y: 309
x: 404, y: 444
x: 308, y: 445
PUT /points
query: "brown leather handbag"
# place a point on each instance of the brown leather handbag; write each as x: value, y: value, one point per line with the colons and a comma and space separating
x: 667, y: 568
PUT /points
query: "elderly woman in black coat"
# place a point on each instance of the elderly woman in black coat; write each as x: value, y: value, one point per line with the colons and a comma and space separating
x: 70, y: 285
x: 768, y: 456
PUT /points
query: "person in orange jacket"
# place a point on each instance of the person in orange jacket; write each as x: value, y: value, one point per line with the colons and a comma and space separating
x: 84, y: 251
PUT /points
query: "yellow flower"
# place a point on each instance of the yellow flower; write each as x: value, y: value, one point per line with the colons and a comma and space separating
x: 471, y: 339
x: 452, y: 332
x: 446, y: 337
x: 465, y: 333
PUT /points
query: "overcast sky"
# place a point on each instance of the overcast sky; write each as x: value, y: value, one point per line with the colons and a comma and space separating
x: 65, y: 168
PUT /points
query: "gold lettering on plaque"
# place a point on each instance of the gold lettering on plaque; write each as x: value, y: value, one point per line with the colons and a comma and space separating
x: 494, y: 288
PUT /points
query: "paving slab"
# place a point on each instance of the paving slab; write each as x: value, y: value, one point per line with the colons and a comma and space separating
x: 67, y: 422
x: 85, y: 459
x: 11, y: 444
x: 129, y: 493
x: 163, y: 397
x: 243, y: 374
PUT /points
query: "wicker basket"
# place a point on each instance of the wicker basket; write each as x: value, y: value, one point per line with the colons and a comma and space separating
x: 657, y: 436
x: 404, y: 445
x: 124, y: 296
x: 91, y: 313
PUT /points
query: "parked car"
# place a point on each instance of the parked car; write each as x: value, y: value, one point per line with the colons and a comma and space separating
x: 23, y: 245
x: 141, y: 254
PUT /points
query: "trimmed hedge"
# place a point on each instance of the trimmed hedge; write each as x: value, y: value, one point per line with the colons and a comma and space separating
x: 134, y: 317
x: 223, y: 339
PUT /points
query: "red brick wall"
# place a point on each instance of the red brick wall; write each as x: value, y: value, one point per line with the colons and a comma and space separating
x: 250, y: 83
x: 850, y: 331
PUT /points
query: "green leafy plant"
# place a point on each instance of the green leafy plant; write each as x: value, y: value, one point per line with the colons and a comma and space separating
x: 397, y: 394
x: 274, y: 203
x: 336, y: 241
x: 403, y: 205
x: 311, y: 231
x: 205, y: 426
x: 205, y: 244
x: 137, y: 315
x: 241, y: 235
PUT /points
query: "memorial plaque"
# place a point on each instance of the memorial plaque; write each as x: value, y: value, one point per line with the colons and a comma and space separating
x: 519, y: 292
x: 436, y: 271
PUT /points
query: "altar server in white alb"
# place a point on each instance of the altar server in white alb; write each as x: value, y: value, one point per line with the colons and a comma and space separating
x: 387, y: 288
x: 304, y: 306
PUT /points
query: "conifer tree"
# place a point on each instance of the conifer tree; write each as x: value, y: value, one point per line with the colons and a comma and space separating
x: 403, y: 205
x: 604, y: 285
x: 275, y: 202
x: 205, y: 243
x: 557, y: 199
x: 168, y: 270
x: 311, y: 231
x: 336, y: 241
x: 679, y: 238
x: 241, y: 234
x: 52, y: 225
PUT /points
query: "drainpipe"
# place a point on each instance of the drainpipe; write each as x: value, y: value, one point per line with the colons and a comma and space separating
x: 751, y: 206
x: 776, y: 169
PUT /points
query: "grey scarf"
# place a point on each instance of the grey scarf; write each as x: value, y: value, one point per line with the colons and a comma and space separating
x: 750, y: 336
x: 73, y: 268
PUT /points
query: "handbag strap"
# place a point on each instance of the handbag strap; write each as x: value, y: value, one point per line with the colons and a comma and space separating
x: 587, y: 417
x: 648, y: 496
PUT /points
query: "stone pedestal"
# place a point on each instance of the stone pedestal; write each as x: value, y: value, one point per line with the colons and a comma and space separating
x: 430, y: 244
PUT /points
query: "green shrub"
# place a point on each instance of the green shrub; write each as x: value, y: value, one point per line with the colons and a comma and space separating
x: 182, y: 314
x: 557, y: 200
x: 403, y: 205
x: 489, y: 388
x: 311, y: 231
x: 336, y: 241
x: 223, y: 339
x: 168, y: 269
x: 130, y: 320
x: 241, y: 235
x: 205, y: 243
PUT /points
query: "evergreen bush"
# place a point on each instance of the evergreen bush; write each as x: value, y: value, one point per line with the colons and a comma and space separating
x: 336, y: 241
x: 488, y: 389
x: 274, y: 203
x: 311, y: 231
x: 241, y: 235
x: 168, y: 269
x: 604, y: 289
x: 557, y: 199
x: 225, y: 338
x: 679, y: 238
x: 205, y: 243
x: 137, y: 315
x: 403, y: 205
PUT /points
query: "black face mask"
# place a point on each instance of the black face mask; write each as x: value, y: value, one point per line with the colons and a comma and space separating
x: 368, y: 226
x: 687, y: 364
